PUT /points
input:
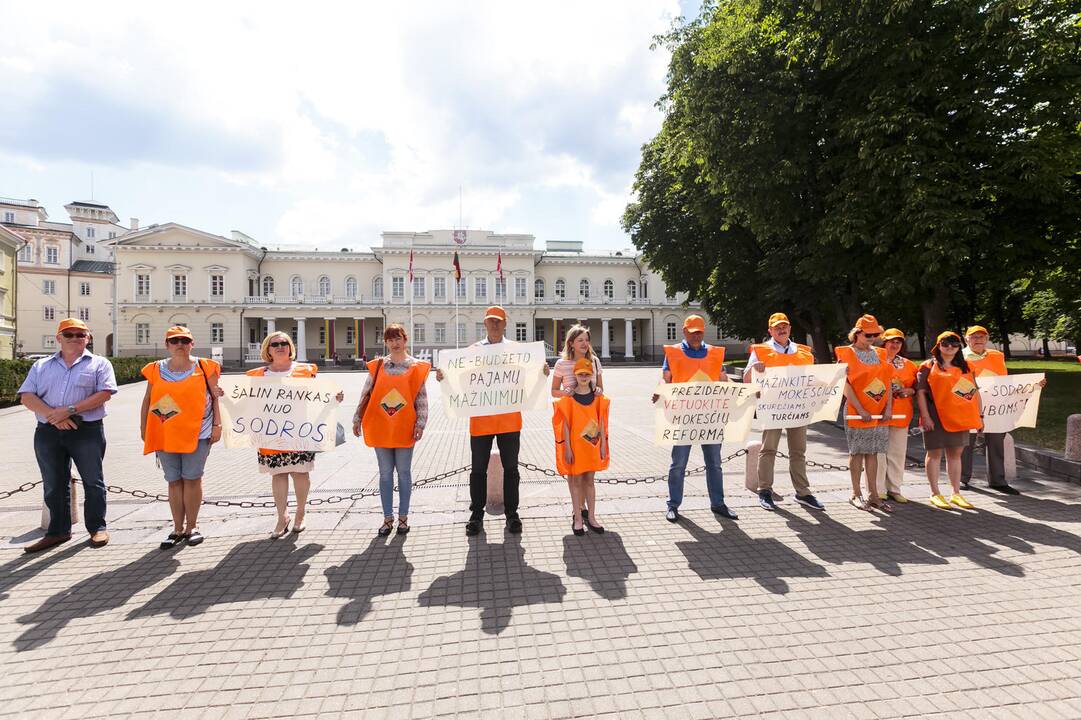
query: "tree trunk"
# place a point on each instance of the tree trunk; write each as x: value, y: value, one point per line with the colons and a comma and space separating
x: 934, y: 312
x: 1002, y: 325
x: 821, y: 345
x: 923, y: 343
x: 1046, y: 349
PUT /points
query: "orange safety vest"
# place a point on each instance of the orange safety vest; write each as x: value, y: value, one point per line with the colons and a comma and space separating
x: 771, y: 358
x: 903, y: 377
x: 391, y: 415
x: 587, y: 423
x: 300, y: 370
x: 871, y: 383
x: 955, y: 396
x: 176, y: 409
x: 993, y: 362
x: 688, y: 369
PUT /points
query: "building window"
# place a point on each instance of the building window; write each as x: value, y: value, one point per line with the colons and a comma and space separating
x: 26, y: 253
x: 460, y: 284
x: 397, y: 287
x: 519, y: 332
x: 634, y: 332
x: 90, y: 232
x: 609, y: 289
x: 217, y: 333
x: 142, y: 333
x: 84, y: 314
x: 296, y: 287
x: 418, y: 288
x: 324, y: 286
x: 611, y: 333
x: 480, y: 289
x: 538, y: 333
x: 481, y: 333
x: 322, y: 333
x: 440, y: 333
x: 500, y: 288
x: 351, y: 288
x: 378, y: 335
x: 293, y: 333
x: 561, y: 289
x: 48, y: 342
x: 9, y: 217
x: 268, y: 285
x: 112, y: 234
x: 48, y: 287
x: 645, y: 289
x: 439, y: 288
x: 519, y: 288
x: 538, y: 289
x: 253, y: 335
x: 461, y: 333
x: 90, y: 249
x: 217, y: 286
x: 632, y: 290
x: 418, y: 333
x: 377, y: 288
x: 142, y: 287
x: 180, y: 287
x: 84, y: 289
x: 670, y: 331
x: 52, y: 255
x: 350, y: 336
x: 583, y: 288
x: 48, y: 312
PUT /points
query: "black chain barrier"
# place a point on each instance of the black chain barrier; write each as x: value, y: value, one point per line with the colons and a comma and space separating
x: 22, y: 488
x: 627, y: 480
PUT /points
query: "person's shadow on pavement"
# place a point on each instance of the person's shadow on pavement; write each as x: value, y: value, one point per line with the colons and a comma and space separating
x: 495, y: 579
x: 600, y: 559
x: 23, y: 568
x: 732, y: 553
x: 256, y: 570
x: 381, y: 569
x: 96, y: 594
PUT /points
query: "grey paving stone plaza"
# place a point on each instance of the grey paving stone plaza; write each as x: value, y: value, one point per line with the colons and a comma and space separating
x: 792, y: 614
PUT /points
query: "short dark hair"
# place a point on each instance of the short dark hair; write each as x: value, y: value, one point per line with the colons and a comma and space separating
x: 394, y: 330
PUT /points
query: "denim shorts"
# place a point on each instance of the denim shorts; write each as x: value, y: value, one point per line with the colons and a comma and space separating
x: 188, y: 466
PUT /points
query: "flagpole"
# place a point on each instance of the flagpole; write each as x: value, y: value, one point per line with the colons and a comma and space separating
x: 411, y: 293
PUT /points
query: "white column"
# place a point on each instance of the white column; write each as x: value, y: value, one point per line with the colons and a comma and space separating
x: 627, y: 343
x: 604, y: 340
x: 270, y: 326
x: 302, y: 342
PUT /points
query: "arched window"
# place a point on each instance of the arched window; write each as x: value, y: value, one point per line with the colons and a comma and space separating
x: 268, y: 285
x: 351, y: 287
x: 296, y: 286
x: 609, y: 289
x: 324, y: 286
x: 538, y: 289
x: 561, y: 288
x: 632, y: 290
x: 645, y: 289
x: 377, y: 288
x: 583, y: 288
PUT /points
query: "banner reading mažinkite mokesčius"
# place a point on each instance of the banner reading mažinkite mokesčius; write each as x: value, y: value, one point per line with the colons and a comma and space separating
x: 279, y: 413
x: 798, y: 395
x: 493, y: 379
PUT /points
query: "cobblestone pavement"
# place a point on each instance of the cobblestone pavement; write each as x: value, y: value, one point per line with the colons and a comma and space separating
x: 792, y: 614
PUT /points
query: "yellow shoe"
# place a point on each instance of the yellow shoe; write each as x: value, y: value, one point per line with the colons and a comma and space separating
x: 882, y: 496
x: 940, y: 502
x: 897, y: 498
x: 960, y: 502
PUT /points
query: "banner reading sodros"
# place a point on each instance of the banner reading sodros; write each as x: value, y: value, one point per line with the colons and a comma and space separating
x: 493, y: 379
x: 279, y: 413
x: 701, y: 413
x: 797, y: 395
x: 1009, y: 401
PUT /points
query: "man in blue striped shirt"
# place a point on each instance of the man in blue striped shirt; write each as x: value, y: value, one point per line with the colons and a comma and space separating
x: 67, y: 392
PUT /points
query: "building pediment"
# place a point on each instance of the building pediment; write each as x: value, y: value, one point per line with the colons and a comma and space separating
x: 175, y: 235
x: 178, y: 268
x: 215, y: 268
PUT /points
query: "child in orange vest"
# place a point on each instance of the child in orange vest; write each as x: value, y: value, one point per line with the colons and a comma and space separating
x: 580, y: 426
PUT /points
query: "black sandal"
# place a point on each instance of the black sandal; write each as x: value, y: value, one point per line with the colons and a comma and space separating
x: 403, y: 527
x: 386, y: 527
x: 595, y: 528
x: 172, y: 541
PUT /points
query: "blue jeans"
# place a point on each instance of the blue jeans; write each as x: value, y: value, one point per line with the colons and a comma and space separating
x: 55, y: 451
x: 714, y: 475
x: 389, y: 460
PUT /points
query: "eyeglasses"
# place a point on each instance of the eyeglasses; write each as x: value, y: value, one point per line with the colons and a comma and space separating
x: 949, y: 343
x: 71, y: 335
x: 278, y: 344
x: 871, y: 336
x: 179, y: 341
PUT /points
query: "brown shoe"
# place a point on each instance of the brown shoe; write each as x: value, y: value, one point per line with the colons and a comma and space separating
x: 99, y: 539
x: 46, y: 542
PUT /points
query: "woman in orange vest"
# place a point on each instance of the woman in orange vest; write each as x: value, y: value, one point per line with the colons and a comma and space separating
x: 279, y: 352
x: 891, y: 466
x: 580, y: 426
x: 950, y: 408
x: 392, y: 412
x: 868, y: 403
x: 179, y: 421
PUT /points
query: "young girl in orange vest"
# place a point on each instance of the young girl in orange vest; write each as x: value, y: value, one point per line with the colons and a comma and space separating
x: 279, y: 352
x: 891, y: 466
x: 576, y: 345
x: 179, y: 421
x: 392, y: 412
x: 580, y: 426
x: 950, y: 408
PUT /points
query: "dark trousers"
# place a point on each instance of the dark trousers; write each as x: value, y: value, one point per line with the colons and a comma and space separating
x: 481, y: 448
x: 56, y: 450
x: 996, y: 461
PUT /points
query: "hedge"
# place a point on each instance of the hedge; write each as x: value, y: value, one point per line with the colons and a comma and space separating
x: 13, y: 372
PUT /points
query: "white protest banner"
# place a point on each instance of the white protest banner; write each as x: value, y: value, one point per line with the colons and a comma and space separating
x: 699, y: 413
x: 493, y: 379
x: 1009, y: 401
x: 797, y: 395
x: 279, y: 413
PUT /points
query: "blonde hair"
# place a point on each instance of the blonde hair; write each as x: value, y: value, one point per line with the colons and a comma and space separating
x: 264, y: 349
x: 572, y: 334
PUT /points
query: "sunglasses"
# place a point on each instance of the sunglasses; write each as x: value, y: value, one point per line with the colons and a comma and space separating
x: 871, y: 336
x: 179, y: 341
x: 278, y: 344
x: 949, y: 343
x: 71, y: 335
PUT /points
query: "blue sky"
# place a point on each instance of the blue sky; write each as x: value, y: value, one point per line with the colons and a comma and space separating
x: 323, y: 129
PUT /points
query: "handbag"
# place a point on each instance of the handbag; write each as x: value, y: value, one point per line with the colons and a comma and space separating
x: 339, y: 435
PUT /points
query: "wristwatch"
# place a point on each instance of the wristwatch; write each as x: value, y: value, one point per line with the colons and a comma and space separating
x: 71, y: 410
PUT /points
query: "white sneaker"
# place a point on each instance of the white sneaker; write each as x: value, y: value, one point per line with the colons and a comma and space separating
x: 671, y: 516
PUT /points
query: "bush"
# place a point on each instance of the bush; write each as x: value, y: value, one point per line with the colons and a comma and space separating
x: 13, y: 372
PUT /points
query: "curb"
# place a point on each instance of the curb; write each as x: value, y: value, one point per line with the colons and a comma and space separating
x: 1049, y: 461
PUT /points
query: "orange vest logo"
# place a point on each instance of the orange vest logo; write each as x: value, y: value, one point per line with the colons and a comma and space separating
x: 875, y: 390
x: 592, y: 433
x: 392, y: 402
x: 165, y: 408
x: 964, y: 389
x: 700, y: 376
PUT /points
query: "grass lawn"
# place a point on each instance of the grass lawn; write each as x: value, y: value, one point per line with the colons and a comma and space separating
x: 1061, y: 397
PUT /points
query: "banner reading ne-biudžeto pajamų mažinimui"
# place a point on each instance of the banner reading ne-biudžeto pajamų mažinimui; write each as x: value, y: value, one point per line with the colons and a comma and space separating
x: 797, y: 395
x: 279, y: 413
x: 703, y: 413
x: 493, y: 379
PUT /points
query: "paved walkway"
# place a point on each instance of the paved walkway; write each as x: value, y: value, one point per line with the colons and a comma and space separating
x: 779, y: 615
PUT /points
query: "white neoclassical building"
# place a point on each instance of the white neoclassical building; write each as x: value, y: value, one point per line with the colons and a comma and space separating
x: 231, y: 292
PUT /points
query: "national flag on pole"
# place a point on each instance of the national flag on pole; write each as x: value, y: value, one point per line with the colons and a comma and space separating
x: 410, y: 264
x: 457, y: 267
x: 499, y: 264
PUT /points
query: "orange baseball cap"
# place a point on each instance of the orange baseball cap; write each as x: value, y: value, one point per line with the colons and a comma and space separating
x: 694, y: 323
x: 71, y: 324
x: 976, y: 329
x: 946, y: 334
x: 777, y: 319
x: 893, y: 334
x: 584, y: 366
x: 867, y: 324
x: 496, y: 312
x: 178, y: 331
